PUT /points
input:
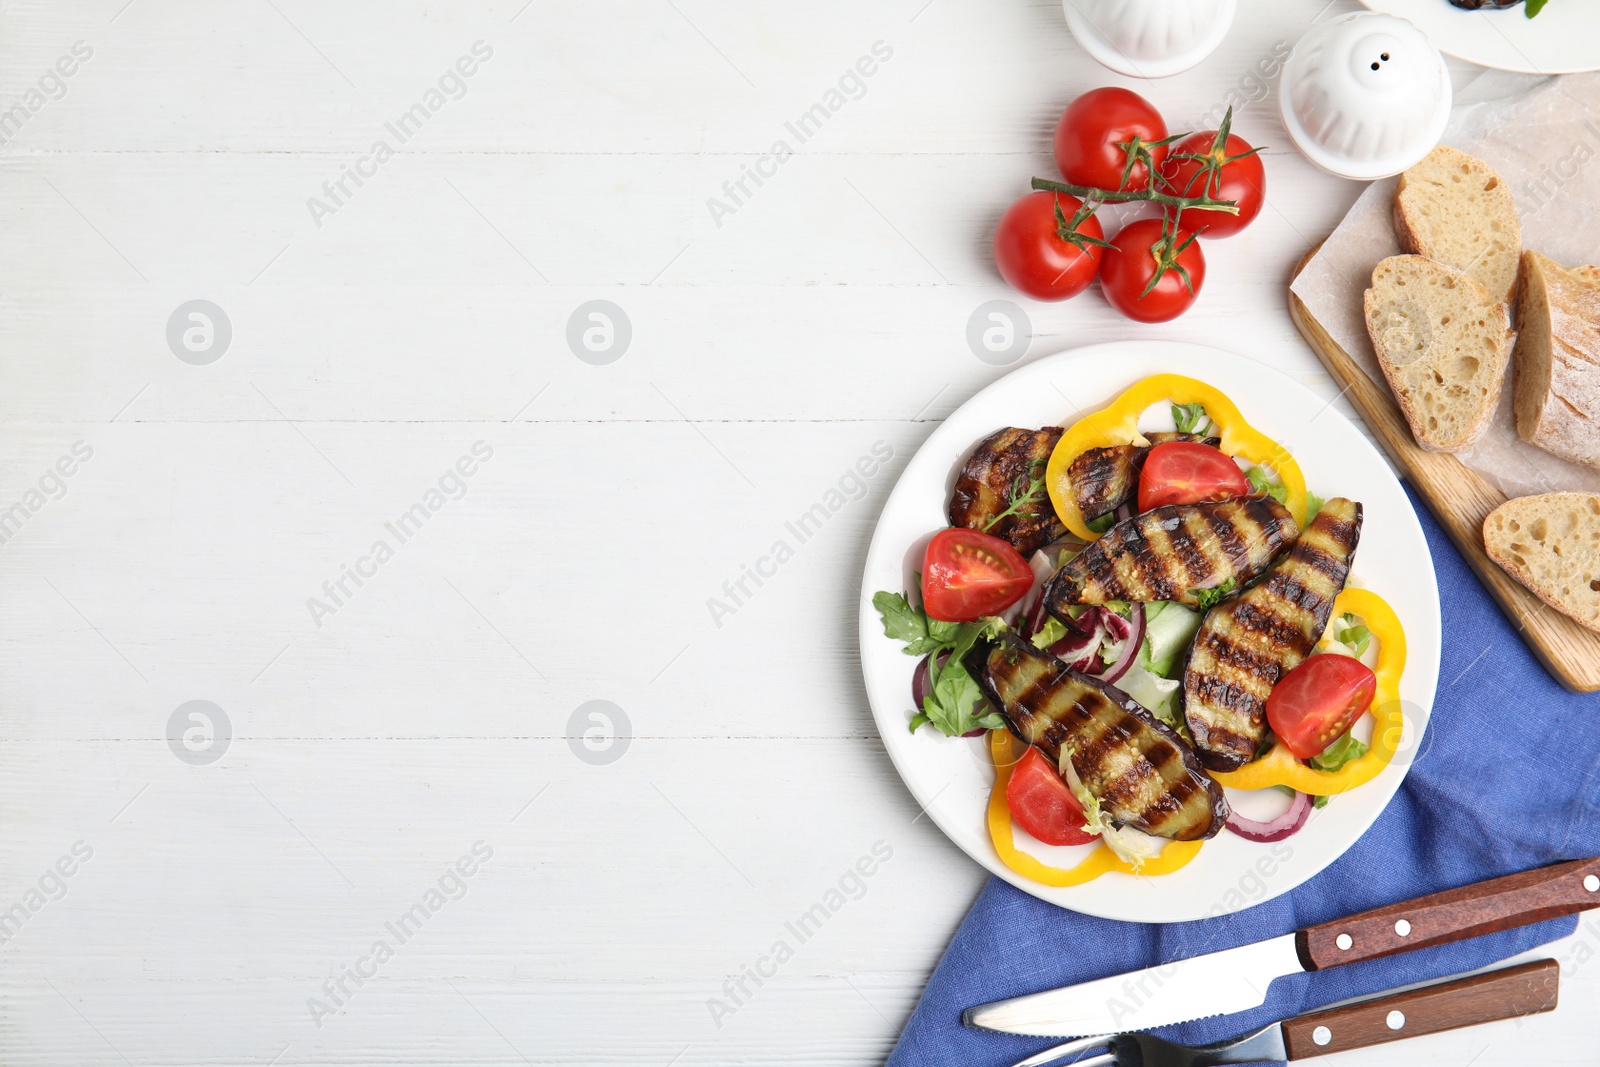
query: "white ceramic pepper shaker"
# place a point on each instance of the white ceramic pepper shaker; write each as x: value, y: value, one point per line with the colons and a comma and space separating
x: 1149, y: 38
x: 1365, y: 95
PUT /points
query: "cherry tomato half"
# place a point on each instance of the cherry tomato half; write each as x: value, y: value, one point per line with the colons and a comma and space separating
x: 1043, y: 804
x: 1092, y: 127
x: 1188, y: 472
x: 1140, y: 248
x: 1232, y: 172
x: 967, y: 575
x: 1033, y: 256
x: 1313, y: 705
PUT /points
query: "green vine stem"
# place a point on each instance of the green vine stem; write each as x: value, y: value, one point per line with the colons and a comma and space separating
x: 1108, y: 196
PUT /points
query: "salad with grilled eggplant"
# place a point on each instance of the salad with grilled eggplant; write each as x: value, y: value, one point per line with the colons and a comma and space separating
x: 1141, y: 617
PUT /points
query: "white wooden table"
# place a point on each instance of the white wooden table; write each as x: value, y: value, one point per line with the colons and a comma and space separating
x: 359, y: 355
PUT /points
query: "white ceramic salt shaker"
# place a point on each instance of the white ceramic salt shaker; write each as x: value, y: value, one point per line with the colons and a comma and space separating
x: 1365, y: 95
x: 1149, y: 38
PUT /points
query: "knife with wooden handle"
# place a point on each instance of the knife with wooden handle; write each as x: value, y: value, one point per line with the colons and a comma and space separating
x: 1236, y: 979
x: 1504, y: 994
x: 1525, y: 989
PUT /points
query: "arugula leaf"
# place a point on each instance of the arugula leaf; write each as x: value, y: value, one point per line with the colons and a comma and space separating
x: 953, y: 696
x: 1260, y: 483
x: 1319, y: 802
x: 1206, y: 599
x: 905, y: 623
x: 1313, y: 505
x: 1339, y: 753
x: 1534, y: 7
x: 1103, y: 523
x: 1189, y: 418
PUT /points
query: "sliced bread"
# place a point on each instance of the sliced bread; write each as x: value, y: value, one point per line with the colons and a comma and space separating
x: 1556, y: 375
x: 1443, y: 341
x: 1454, y: 208
x: 1551, y: 544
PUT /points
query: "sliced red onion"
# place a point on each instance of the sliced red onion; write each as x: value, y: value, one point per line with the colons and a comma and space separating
x: 1273, y: 829
x: 1131, y: 643
x: 921, y: 684
x: 1030, y: 609
x: 1033, y: 620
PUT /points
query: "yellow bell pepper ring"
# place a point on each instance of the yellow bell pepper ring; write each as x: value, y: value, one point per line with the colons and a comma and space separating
x: 1002, y: 750
x: 1279, y: 767
x: 1118, y: 424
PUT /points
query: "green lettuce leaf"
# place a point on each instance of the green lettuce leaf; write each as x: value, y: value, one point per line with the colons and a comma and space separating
x: 1339, y: 753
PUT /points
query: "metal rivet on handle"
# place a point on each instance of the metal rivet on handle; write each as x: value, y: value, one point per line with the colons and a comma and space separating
x: 1322, y: 1035
x: 1343, y: 941
x: 1591, y: 883
x: 1402, y: 927
x: 1396, y: 1020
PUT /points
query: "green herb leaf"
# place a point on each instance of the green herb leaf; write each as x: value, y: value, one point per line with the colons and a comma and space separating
x: 1339, y: 753
x: 1261, y: 483
x: 1103, y: 523
x: 1189, y: 417
x: 1025, y: 494
x: 1313, y: 505
x: 1534, y: 7
x: 902, y: 622
x: 955, y: 704
x: 1319, y: 802
x: 1206, y: 599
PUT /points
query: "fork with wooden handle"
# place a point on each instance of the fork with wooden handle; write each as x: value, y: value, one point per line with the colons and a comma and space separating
x: 1526, y: 989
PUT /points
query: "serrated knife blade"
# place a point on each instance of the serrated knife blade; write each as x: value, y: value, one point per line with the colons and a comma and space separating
x: 1236, y: 979
x: 1217, y: 983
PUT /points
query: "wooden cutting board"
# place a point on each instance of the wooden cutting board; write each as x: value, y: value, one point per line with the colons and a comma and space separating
x: 1460, y: 499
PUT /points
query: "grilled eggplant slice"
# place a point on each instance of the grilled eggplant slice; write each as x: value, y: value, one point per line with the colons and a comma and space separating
x: 1245, y: 645
x: 1103, y: 479
x: 1175, y: 553
x: 1008, y: 469
x: 1135, y: 765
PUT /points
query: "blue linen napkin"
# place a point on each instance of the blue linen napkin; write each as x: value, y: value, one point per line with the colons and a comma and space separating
x: 1507, y: 778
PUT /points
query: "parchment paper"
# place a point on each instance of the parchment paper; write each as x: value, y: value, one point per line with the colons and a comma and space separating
x: 1543, y: 137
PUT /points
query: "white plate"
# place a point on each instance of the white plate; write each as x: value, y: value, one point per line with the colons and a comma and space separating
x: 1563, y: 39
x: 951, y: 777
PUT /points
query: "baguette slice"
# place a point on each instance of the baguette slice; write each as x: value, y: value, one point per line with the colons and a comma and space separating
x: 1443, y: 341
x: 1556, y: 375
x: 1551, y: 544
x: 1454, y: 208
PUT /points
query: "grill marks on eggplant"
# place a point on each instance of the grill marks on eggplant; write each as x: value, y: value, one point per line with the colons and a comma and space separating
x: 1173, y: 552
x: 1245, y: 645
x: 1140, y: 770
x: 1001, y: 469
x: 1103, y: 479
